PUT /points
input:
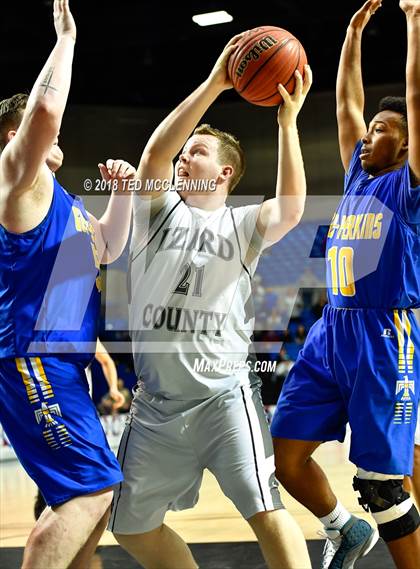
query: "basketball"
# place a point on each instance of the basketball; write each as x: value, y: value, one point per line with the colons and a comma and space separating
x: 265, y: 57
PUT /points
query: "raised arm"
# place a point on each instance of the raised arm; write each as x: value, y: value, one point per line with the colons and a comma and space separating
x: 280, y: 214
x: 412, y: 12
x: 172, y: 133
x: 349, y: 89
x: 26, y: 153
x: 112, y: 229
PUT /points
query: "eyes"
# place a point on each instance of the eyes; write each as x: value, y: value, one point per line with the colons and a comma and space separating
x: 197, y: 151
x: 375, y: 130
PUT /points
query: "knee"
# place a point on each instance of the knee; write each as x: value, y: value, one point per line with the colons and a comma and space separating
x: 289, y: 467
x: 265, y: 520
x: 291, y: 457
x: 390, y: 505
x: 284, y: 472
x: 143, y: 541
x: 39, y: 537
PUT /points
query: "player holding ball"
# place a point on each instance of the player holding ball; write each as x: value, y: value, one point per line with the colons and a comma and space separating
x: 190, y: 256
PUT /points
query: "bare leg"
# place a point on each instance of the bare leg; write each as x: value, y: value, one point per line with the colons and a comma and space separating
x: 84, y: 557
x: 62, y: 531
x: 406, y: 550
x: 302, y: 476
x: 160, y: 548
x: 415, y: 479
x: 281, y: 540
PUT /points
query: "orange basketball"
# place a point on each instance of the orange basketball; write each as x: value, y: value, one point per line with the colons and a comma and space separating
x: 265, y: 57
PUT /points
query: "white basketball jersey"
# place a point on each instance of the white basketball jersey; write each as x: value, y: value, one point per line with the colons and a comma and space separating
x: 191, y: 314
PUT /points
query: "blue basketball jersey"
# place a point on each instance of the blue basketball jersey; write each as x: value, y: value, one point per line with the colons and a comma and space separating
x: 50, y: 284
x: 373, y: 245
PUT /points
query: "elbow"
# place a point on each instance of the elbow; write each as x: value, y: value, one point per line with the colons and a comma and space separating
x: 293, y: 210
x: 47, y: 114
x: 151, y: 156
x: 342, y: 109
x: 111, y: 255
x: 294, y: 217
x: 148, y: 162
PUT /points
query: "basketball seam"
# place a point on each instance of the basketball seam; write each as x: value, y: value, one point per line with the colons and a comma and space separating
x: 287, y: 82
x: 285, y: 42
x: 237, y: 57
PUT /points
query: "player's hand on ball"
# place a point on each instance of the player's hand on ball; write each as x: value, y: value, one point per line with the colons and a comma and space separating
x: 410, y: 6
x: 63, y: 20
x: 119, y: 170
x: 362, y: 16
x: 219, y: 75
x: 292, y: 102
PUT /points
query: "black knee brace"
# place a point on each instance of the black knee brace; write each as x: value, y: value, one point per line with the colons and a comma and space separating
x: 381, y: 495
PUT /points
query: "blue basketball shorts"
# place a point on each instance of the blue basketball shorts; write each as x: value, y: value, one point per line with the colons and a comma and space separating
x: 362, y: 367
x: 53, y: 427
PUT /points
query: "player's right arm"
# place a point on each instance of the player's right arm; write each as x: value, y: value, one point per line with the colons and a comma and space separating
x: 350, y: 96
x: 24, y: 156
x: 170, y: 136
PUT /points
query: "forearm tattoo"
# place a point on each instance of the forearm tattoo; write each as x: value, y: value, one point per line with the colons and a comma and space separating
x: 47, y: 81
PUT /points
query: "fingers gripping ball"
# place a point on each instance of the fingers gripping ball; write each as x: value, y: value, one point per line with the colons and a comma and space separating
x: 265, y: 57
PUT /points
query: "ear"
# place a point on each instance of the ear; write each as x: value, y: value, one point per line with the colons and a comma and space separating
x: 227, y: 172
x: 404, y: 145
x: 10, y: 135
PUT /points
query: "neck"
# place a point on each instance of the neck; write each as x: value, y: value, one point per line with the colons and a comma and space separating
x: 395, y: 166
x: 208, y: 202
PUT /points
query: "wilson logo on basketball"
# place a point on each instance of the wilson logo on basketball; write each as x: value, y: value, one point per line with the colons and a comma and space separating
x: 263, y: 45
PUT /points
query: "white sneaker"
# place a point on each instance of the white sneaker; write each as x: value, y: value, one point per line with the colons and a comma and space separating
x: 344, y: 547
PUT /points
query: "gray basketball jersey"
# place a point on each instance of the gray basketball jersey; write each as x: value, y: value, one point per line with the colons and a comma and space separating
x: 191, y: 315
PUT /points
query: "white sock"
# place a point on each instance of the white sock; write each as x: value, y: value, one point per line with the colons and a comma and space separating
x: 337, y: 518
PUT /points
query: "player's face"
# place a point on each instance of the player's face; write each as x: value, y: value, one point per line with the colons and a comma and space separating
x: 384, y: 145
x: 198, y: 161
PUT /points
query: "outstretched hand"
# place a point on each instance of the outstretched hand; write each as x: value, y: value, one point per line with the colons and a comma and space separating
x: 219, y: 74
x: 362, y: 16
x: 63, y: 19
x: 118, y: 170
x: 292, y: 102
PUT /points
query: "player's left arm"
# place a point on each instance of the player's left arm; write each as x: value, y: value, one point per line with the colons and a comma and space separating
x: 110, y: 372
x: 112, y: 229
x: 279, y: 215
x: 412, y: 12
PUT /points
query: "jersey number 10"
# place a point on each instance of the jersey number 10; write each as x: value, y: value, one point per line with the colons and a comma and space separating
x: 342, y: 275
